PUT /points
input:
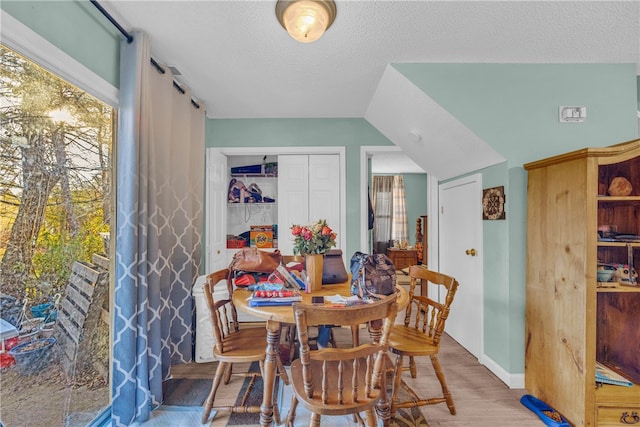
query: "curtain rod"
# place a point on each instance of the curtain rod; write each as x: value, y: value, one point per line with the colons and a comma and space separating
x: 129, y: 38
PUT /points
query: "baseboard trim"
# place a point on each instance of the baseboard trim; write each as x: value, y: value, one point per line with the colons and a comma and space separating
x: 511, y: 380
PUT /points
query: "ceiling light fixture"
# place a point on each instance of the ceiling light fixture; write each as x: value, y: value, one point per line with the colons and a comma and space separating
x: 306, y: 20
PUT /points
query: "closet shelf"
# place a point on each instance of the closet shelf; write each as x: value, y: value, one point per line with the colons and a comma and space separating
x: 254, y: 175
x: 252, y: 204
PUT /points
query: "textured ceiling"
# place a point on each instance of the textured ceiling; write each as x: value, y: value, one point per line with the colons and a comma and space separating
x: 239, y: 61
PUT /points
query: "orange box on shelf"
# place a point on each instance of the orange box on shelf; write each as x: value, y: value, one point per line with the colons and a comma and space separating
x: 261, y: 236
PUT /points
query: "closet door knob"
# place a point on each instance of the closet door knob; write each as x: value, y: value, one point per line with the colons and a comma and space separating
x: 471, y: 252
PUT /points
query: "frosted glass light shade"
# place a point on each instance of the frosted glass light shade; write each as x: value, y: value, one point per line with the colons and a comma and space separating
x: 306, y: 20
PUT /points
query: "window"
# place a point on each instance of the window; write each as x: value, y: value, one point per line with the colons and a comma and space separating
x: 389, y: 205
x: 56, y: 207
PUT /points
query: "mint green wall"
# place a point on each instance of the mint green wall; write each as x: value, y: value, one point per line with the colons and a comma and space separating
x: 514, y: 107
x: 77, y: 28
x: 638, y: 78
x: 496, y: 274
x: 517, y: 206
x: 350, y: 133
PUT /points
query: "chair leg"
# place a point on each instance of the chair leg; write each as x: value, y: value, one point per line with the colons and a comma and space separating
x: 445, y: 390
x: 291, y: 338
x: 315, y: 420
x: 291, y: 416
x: 372, y: 420
x: 212, y: 394
x: 228, y: 373
x: 382, y: 410
x: 281, y: 372
x: 412, y: 367
x: 355, y: 335
x: 397, y: 379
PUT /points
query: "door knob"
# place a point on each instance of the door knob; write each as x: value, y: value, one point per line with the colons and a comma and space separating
x: 471, y: 252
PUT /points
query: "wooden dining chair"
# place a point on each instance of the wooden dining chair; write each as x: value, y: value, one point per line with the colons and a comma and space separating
x: 233, y: 345
x: 340, y: 381
x: 420, y: 335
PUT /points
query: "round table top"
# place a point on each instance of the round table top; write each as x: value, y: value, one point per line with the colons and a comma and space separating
x: 284, y: 314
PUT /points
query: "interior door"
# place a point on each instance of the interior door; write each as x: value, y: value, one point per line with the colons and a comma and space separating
x: 293, y: 189
x: 216, y: 212
x: 324, y: 189
x: 460, y: 245
x: 308, y: 190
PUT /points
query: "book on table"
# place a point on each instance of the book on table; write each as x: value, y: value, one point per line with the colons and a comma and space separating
x: 273, y: 294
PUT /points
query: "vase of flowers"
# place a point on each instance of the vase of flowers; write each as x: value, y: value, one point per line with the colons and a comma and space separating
x: 313, y: 241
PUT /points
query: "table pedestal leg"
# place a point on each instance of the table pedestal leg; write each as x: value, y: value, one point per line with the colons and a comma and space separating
x: 269, y: 374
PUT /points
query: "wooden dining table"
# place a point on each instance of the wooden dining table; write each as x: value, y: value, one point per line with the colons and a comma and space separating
x: 276, y: 317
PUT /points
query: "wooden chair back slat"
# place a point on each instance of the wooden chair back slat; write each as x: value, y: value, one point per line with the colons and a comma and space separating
x: 223, y: 314
x: 334, y: 361
x: 424, y: 313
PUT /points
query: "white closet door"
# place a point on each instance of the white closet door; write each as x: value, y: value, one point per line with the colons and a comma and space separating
x: 216, y: 212
x: 324, y: 189
x: 293, y: 197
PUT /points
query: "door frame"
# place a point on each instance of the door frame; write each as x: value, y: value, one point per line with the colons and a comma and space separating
x: 366, y: 151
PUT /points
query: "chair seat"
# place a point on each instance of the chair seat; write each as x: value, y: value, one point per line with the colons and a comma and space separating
x: 410, y: 341
x: 246, y: 343
x: 332, y: 407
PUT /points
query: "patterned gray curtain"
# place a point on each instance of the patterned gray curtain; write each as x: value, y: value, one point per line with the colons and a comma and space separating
x: 160, y: 187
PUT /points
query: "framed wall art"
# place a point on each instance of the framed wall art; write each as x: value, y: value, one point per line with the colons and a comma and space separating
x: 493, y: 203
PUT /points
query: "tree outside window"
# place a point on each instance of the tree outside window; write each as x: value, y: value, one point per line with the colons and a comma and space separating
x: 55, y: 206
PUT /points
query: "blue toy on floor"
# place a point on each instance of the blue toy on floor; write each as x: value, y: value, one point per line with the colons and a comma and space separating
x: 544, y: 411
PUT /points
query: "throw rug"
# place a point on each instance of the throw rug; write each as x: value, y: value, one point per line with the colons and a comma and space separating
x: 409, y: 417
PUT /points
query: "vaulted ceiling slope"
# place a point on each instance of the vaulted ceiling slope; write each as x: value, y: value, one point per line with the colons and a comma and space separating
x: 239, y: 61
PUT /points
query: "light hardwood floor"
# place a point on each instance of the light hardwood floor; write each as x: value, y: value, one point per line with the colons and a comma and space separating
x: 481, y: 399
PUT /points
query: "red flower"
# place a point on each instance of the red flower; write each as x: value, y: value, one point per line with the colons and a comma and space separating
x: 316, y: 238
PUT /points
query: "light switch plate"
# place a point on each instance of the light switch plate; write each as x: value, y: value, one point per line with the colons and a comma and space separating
x: 572, y: 114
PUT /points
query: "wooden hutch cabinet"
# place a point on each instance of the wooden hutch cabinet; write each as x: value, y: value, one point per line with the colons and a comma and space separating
x: 572, y: 320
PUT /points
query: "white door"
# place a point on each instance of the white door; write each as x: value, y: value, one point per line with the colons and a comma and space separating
x: 324, y: 189
x: 216, y: 212
x: 460, y: 248
x: 293, y: 197
x: 308, y: 190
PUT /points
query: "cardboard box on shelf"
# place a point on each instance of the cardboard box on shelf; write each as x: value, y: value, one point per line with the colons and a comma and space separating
x: 261, y: 236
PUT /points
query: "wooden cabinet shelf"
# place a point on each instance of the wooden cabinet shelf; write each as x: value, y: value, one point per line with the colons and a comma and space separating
x: 607, y: 287
x: 572, y: 320
x: 619, y: 244
x: 616, y: 199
